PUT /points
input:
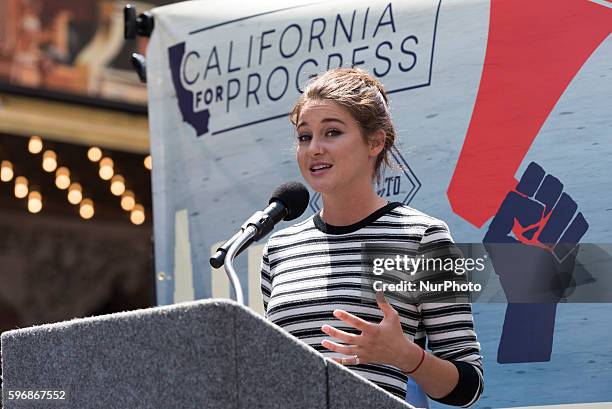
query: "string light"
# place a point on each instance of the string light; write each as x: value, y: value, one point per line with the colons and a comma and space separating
x: 117, y: 185
x: 137, y: 216
x: 21, y: 187
x: 128, y: 200
x: 75, y: 193
x: 94, y: 154
x: 86, y: 210
x: 49, y: 161
x: 75, y: 190
x: 148, y: 162
x: 34, y: 202
x: 62, y: 178
x: 35, y: 145
x: 106, y: 168
x: 6, y: 171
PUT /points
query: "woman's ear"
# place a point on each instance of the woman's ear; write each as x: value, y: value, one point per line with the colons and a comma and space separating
x: 377, y: 142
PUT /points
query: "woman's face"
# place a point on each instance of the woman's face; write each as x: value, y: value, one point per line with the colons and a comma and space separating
x: 332, y: 154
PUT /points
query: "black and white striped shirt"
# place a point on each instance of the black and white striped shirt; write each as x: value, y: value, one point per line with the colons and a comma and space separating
x: 312, y: 268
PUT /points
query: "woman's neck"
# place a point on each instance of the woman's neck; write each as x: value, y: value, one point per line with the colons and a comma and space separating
x: 347, y: 209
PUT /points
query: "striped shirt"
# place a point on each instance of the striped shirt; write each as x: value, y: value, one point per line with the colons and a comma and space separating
x: 312, y: 268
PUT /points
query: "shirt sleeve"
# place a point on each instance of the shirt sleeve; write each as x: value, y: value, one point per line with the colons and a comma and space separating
x: 266, y: 281
x: 449, y: 328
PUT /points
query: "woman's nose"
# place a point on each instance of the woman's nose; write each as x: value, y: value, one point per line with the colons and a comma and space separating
x: 315, y: 147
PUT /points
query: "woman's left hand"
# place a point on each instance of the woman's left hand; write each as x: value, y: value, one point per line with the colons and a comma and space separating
x: 382, y: 343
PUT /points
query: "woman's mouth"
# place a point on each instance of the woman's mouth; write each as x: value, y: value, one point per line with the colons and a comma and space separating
x: 320, y: 169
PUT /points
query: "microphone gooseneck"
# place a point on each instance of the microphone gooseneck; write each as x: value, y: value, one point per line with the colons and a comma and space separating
x: 287, y: 202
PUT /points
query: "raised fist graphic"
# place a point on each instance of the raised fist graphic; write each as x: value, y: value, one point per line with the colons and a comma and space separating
x: 532, y: 241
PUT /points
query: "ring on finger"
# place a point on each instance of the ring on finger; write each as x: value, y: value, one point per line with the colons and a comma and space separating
x: 356, y: 360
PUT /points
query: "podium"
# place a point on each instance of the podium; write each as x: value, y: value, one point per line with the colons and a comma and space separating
x: 205, y: 354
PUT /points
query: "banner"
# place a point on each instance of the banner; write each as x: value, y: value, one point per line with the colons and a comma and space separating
x: 502, y: 112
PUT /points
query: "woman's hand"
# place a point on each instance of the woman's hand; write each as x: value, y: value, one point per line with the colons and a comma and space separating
x: 382, y: 343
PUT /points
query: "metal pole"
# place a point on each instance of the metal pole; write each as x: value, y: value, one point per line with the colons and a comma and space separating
x: 236, y: 246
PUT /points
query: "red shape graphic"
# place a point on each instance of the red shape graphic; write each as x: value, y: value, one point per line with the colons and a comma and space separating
x: 534, y: 50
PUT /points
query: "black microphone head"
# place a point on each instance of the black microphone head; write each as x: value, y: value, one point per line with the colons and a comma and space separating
x: 294, y: 196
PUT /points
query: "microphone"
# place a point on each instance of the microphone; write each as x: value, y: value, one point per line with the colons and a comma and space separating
x: 287, y: 202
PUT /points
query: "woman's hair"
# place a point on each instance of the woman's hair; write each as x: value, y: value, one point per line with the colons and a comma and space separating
x: 362, y: 96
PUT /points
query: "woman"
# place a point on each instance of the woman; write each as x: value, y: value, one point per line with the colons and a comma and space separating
x: 311, y: 280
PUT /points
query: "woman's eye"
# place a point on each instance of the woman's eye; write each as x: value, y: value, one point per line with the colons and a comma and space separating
x: 303, y: 137
x: 332, y: 132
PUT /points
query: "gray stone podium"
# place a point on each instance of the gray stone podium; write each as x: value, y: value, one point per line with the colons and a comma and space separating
x: 204, y: 354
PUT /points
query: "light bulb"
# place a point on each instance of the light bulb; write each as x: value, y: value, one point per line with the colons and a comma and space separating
x: 127, y: 200
x: 34, y: 202
x: 21, y: 187
x: 86, y: 210
x: 94, y: 154
x: 106, y: 168
x: 6, y: 171
x: 62, y: 178
x: 148, y: 162
x: 117, y: 185
x: 35, y: 144
x: 75, y: 193
x: 49, y: 161
x: 137, y: 216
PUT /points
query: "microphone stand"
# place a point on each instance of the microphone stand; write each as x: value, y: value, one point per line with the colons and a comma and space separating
x: 238, y: 242
x: 259, y: 225
x: 229, y: 261
x: 256, y: 227
x: 263, y: 223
